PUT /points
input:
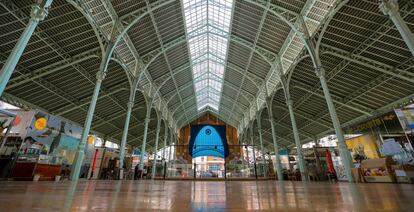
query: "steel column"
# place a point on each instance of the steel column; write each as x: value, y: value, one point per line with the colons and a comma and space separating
x: 242, y: 151
x: 254, y: 154
x: 175, y: 142
x: 38, y: 13
x: 144, y: 140
x: 301, y: 161
x: 344, y: 152
x: 259, y: 128
x: 391, y: 8
x: 100, y: 76
x: 170, y: 149
x: 130, y: 105
x: 320, y: 72
x: 164, y: 148
x: 247, y: 153
x: 277, y: 165
x: 157, y: 136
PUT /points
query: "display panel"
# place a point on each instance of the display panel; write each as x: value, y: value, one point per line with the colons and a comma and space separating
x: 208, y: 140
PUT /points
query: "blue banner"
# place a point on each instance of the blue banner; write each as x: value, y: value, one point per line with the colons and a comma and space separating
x: 208, y: 140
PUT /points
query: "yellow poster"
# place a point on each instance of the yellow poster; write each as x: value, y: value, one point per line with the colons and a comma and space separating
x: 363, y: 144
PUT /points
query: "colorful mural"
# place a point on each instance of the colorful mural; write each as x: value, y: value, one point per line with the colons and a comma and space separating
x: 46, y: 134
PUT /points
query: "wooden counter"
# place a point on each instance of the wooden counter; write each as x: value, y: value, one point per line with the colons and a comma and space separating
x: 26, y: 170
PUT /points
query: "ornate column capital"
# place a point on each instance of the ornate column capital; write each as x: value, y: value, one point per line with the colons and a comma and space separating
x: 130, y: 104
x: 320, y: 71
x: 289, y: 102
x: 100, y: 75
x: 39, y: 12
x: 389, y: 7
x: 272, y: 119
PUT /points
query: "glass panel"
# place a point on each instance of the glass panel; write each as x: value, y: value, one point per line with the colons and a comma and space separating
x: 208, y: 26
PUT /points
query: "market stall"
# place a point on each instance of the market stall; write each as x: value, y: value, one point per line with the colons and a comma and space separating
x: 42, y: 145
x: 36, y: 166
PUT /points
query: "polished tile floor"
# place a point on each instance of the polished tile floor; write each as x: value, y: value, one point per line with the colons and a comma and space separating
x: 204, y: 196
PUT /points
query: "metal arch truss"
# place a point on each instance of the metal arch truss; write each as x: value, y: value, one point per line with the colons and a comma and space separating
x: 131, y: 58
x: 288, y: 16
x: 287, y: 63
x: 269, y: 57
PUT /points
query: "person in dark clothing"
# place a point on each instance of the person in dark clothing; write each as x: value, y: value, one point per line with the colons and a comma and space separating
x: 136, y: 172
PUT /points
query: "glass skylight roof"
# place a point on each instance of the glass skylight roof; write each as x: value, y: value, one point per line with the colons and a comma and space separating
x: 208, y: 25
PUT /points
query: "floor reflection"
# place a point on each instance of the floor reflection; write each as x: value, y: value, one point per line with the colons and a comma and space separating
x: 203, y: 196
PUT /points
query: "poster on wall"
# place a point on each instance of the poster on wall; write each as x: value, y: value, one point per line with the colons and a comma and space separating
x: 406, y: 117
x: 364, y: 146
x: 22, y: 122
x: 49, y: 134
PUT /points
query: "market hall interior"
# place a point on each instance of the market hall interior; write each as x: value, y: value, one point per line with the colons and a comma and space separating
x: 207, y: 105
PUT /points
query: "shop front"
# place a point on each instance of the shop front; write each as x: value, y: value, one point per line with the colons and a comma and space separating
x: 42, y: 146
x: 383, y: 152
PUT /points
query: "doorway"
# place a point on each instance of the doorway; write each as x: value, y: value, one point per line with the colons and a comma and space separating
x: 209, y: 167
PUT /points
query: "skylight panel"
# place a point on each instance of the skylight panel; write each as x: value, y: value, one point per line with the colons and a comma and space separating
x: 207, y: 25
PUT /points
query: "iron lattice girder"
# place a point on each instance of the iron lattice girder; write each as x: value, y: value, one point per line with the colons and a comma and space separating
x: 150, y: 57
x: 240, y: 107
x: 52, y: 68
x: 62, y: 94
x: 132, y: 54
x: 133, y: 124
x: 360, y: 60
x: 133, y: 17
x: 201, y: 113
x: 308, y: 117
x: 86, y: 101
x: 192, y: 98
x: 164, y: 54
x: 386, y: 108
x: 287, y: 16
x: 337, y: 100
x: 256, y: 81
x: 377, y: 81
x: 120, y: 114
x: 263, y: 17
x: 224, y: 110
x: 188, y: 85
x: 59, y: 50
x: 355, y: 57
x: 26, y: 105
x: 288, y: 42
x: 267, y: 132
x: 369, y: 63
x: 289, y: 128
x: 126, y: 43
x: 372, y: 84
x: 68, y: 61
